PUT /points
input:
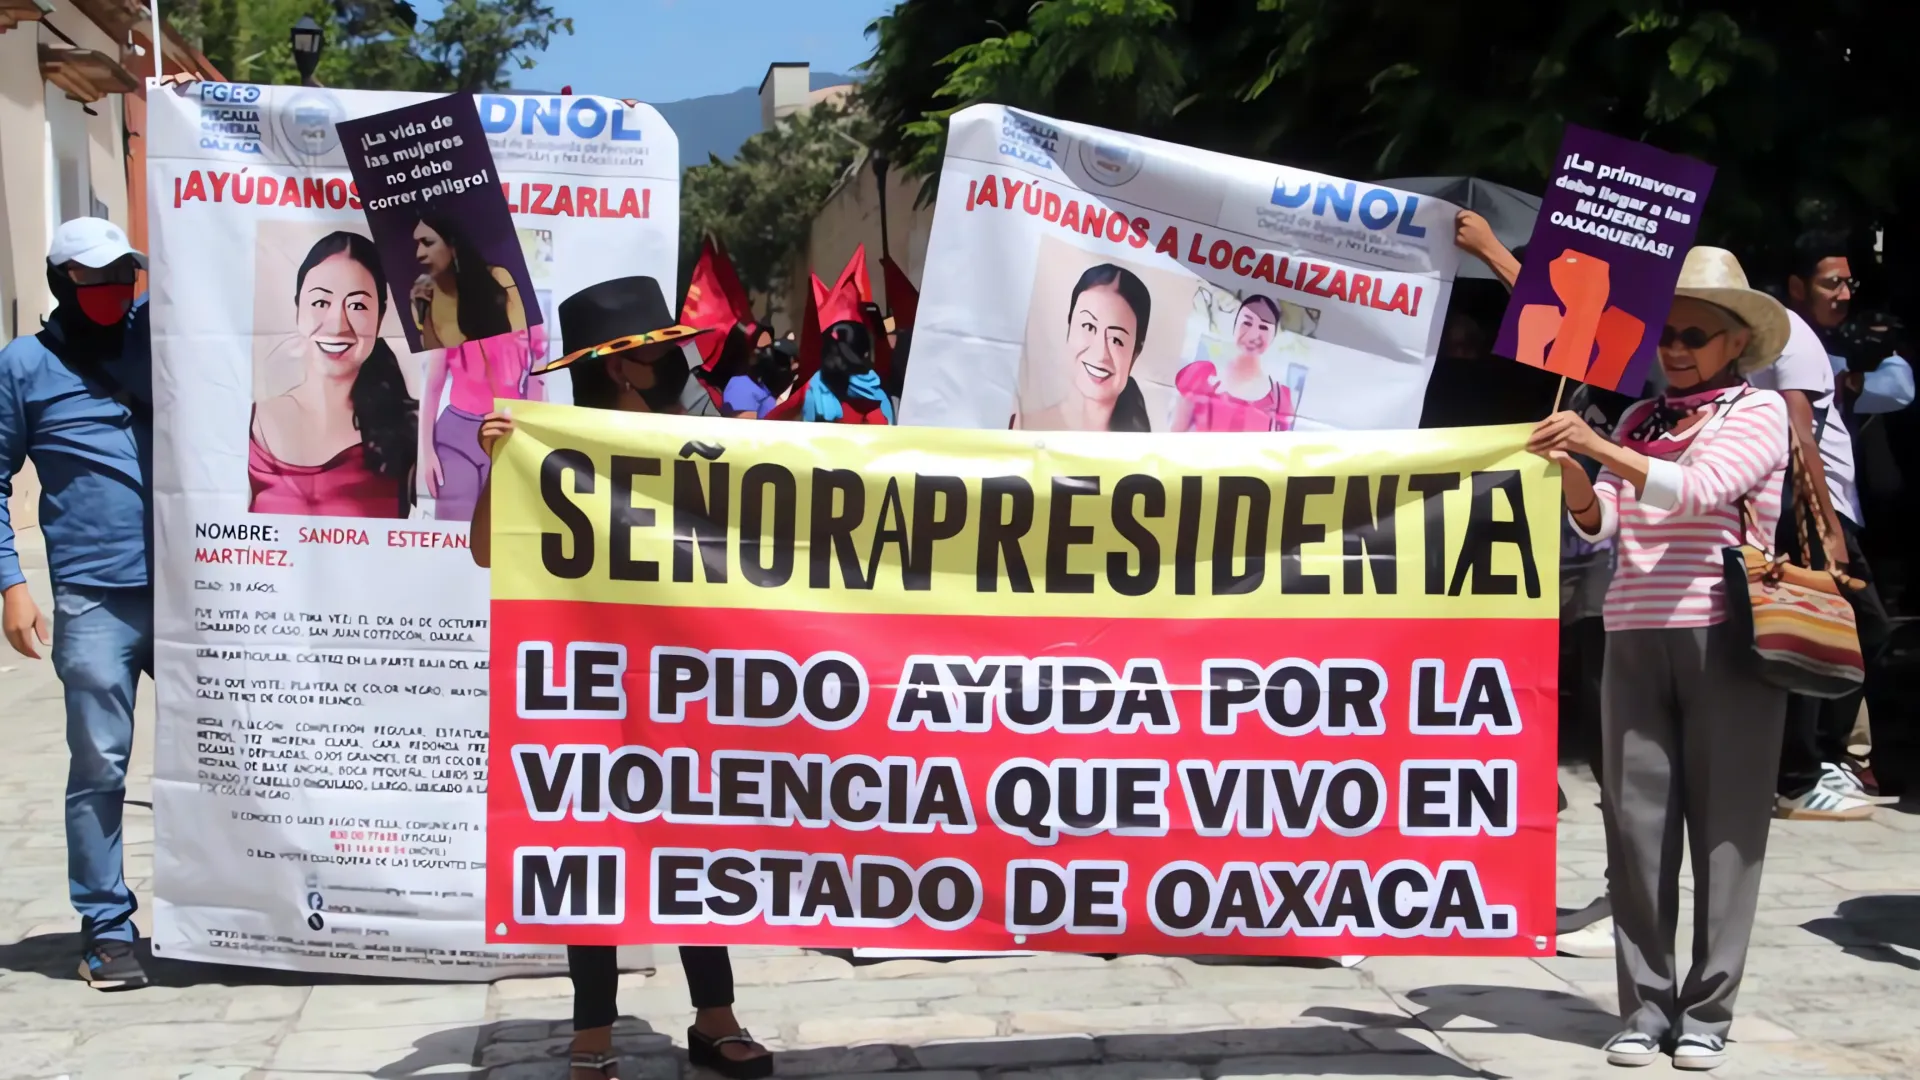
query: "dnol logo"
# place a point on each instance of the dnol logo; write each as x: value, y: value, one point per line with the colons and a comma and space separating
x: 1376, y: 208
x: 582, y: 118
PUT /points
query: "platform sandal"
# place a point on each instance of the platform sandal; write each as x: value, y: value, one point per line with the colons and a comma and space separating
x: 606, y: 1066
x: 706, y: 1051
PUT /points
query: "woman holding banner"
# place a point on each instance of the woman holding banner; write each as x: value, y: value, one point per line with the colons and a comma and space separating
x: 1690, y: 734
x: 631, y: 361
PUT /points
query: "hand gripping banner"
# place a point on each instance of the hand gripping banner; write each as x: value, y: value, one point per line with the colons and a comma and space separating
x: 951, y: 689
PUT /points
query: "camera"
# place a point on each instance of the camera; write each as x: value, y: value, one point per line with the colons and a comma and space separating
x: 1868, y: 338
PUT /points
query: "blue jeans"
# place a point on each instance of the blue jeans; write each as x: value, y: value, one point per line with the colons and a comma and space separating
x: 102, y: 641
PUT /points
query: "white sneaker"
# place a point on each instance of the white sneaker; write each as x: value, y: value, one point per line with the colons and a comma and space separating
x: 1632, y: 1049
x: 1593, y: 941
x: 1698, y: 1053
x: 1822, y: 803
x: 1842, y: 781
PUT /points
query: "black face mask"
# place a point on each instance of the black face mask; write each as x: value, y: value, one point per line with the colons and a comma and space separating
x: 72, y: 323
x: 670, y: 375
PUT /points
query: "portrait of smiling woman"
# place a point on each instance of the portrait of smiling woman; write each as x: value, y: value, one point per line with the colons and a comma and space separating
x: 341, y: 441
x: 1237, y: 395
x: 1109, y: 315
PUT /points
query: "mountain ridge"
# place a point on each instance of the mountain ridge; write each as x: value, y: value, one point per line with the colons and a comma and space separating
x: 717, y: 124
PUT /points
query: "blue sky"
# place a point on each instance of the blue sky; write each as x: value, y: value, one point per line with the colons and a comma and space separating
x: 665, y: 50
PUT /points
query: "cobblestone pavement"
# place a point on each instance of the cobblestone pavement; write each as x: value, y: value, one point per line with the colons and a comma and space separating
x: 1833, y: 987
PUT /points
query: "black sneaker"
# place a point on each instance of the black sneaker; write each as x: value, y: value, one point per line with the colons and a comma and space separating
x: 111, y: 965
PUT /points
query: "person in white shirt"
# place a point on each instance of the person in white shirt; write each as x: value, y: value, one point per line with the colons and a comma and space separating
x: 1820, y: 289
x: 1816, y: 779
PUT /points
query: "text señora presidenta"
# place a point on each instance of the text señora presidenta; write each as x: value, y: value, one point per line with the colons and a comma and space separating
x: 972, y: 690
x: 1130, y: 536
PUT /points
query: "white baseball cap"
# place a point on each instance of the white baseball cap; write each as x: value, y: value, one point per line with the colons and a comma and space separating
x: 95, y: 243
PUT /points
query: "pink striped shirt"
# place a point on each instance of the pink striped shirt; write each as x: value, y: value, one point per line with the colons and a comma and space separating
x: 1670, y: 536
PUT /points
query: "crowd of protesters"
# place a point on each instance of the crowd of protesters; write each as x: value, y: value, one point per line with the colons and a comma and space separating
x: 1678, y: 731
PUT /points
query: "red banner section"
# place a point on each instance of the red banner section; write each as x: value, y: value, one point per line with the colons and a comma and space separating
x: 1285, y: 786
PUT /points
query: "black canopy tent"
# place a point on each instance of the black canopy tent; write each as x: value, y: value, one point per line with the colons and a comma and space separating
x: 1510, y: 211
x: 1469, y: 385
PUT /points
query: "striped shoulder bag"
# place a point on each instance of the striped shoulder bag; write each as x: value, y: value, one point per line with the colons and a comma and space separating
x: 1805, y: 639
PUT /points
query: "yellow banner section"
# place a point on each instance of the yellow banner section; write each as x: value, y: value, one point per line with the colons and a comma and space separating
x: 698, y: 512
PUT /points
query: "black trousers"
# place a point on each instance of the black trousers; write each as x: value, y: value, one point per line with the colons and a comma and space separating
x: 1583, y: 646
x: 595, y: 971
x: 1817, y: 729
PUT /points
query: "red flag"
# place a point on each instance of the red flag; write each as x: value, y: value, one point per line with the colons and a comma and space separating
x: 820, y: 292
x: 903, y: 300
x: 715, y: 301
x: 729, y: 277
x: 809, y: 359
x: 856, y: 272
x: 841, y: 304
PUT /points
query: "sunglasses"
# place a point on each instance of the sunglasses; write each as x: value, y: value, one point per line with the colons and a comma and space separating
x: 1692, y: 337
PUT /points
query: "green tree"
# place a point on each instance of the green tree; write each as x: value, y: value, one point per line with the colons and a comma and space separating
x: 762, y: 204
x: 1798, y: 105
x: 476, y: 44
x: 473, y: 45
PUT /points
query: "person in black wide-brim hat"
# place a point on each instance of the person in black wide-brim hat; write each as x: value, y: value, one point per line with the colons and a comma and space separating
x: 624, y: 352
x: 621, y: 337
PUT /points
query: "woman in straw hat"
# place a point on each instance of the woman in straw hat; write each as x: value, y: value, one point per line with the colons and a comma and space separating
x: 1689, y: 735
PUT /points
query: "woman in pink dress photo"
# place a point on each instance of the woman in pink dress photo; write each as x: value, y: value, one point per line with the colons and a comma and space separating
x: 474, y: 374
x: 341, y: 443
x: 1240, y: 396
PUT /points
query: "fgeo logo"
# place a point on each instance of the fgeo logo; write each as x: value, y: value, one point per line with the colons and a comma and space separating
x: 1110, y: 163
x: 1377, y: 208
x: 582, y: 118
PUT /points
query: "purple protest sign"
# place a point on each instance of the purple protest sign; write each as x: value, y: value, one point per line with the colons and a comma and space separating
x: 440, y: 222
x: 1614, y: 226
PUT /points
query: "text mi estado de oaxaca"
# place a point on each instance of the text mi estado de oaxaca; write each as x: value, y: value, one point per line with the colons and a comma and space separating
x: 1031, y: 800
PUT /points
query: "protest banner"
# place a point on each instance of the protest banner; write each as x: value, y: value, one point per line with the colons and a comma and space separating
x: 1081, y: 279
x: 320, y: 758
x: 439, y: 218
x: 966, y: 690
x: 1615, y: 224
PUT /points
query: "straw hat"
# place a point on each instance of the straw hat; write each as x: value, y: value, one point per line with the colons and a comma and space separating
x: 1712, y: 274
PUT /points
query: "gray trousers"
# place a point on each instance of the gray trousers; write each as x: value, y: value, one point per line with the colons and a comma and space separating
x: 1687, y: 735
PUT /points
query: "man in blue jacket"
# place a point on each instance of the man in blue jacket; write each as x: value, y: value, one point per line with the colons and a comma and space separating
x: 77, y: 399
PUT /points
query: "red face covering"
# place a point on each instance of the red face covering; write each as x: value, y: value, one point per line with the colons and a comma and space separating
x: 105, y: 304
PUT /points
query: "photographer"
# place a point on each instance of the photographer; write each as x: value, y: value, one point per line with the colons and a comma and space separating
x: 1873, y: 378
x: 1817, y: 778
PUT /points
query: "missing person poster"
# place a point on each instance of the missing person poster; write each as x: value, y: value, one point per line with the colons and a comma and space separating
x: 321, y: 758
x: 439, y: 219
x: 1615, y: 224
x: 1081, y: 279
x: 937, y: 690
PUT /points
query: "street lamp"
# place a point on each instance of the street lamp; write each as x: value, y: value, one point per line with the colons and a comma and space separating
x: 308, y: 40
